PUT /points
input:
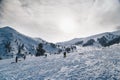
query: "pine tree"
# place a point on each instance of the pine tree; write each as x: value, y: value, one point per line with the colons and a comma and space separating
x: 40, y: 50
x: 53, y: 45
x: 68, y: 49
x: 20, y: 51
x: 8, y: 46
x: 20, y: 48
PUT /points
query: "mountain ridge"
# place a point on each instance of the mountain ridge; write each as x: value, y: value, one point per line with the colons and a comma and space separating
x: 11, y: 40
x: 107, y: 35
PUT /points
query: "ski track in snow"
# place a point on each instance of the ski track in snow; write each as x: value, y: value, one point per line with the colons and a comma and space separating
x: 84, y: 64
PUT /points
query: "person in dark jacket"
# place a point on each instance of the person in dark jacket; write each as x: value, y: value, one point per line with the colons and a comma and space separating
x: 16, y: 59
x: 64, y: 54
x: 45, y: 55
x: 24, y: 57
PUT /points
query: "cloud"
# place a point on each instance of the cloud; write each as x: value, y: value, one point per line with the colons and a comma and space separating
x: 118, y: 27
x: 1, y: 4
x: 40, y: 18
x: 107, y: 14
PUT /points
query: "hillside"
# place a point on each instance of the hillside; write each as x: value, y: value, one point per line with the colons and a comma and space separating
x: 99, y: 40
x: 86, y: 64
x: 11, y: 40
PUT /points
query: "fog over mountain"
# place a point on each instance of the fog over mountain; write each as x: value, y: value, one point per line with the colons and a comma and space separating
x: 60, y: 20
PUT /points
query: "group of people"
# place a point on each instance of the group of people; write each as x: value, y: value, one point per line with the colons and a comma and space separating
x: 16, y: 59
x: 24, y: 57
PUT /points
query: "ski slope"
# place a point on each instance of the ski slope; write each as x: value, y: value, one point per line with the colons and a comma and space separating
x: 85, y: 64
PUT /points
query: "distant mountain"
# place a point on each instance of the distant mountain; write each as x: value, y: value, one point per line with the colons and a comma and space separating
x: 103, y: 40
x: 11, y: 40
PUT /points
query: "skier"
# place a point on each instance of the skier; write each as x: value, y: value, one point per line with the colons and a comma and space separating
x: 45, y: 55
x: 24, y: 57
x: 64, y: 54
x: 16, y: 59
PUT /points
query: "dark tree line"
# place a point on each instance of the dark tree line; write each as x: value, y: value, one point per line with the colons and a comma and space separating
x: 70, y: 49
x: 89, y: 42
x: 105, y: 42
x: 40, y: 50
x: 8, y: 46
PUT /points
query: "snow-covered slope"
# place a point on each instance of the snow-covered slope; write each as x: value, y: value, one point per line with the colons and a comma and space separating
x: 87, y: 63
x: 11, y: 40
x: 104, y: 39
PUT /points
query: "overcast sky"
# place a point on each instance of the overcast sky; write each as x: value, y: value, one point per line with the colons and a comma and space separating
x: 60, y: 20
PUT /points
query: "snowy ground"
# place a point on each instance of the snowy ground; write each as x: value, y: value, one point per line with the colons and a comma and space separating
x: 84, y: 64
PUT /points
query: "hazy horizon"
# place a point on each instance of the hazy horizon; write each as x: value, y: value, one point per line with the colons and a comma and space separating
x: 60, y: 20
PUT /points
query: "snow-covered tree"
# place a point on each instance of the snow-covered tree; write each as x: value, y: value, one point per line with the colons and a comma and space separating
x: 8, y: 46
x: 40, y: 50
